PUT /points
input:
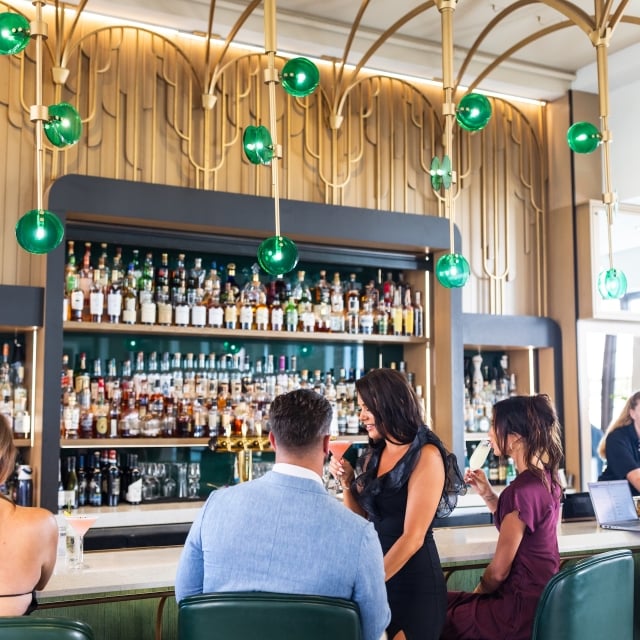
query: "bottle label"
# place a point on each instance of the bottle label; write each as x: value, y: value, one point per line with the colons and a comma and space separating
x: 96, y: 303
x: 308, y: 321
x: 246, y: 317
x: 148, y: 313
x: 277, y: 318
x: 77, y: 300
x: 216, y: 317
x: 102, y: 425
x: 114, y: 304
x: 262, y: 317
x: 164, y: 313
x: 129, y: 310
x: 134, y: 492
x: 198, y: 316
x: 182, y: 315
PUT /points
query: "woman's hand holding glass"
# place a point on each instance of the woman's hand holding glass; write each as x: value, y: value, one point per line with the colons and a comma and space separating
x: 479, y: 481
x: 341, y: 470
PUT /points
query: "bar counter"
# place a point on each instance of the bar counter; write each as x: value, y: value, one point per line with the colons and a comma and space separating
x: 144, y: 578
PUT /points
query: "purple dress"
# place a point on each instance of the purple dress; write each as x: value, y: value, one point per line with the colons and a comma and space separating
x: 508, y: 612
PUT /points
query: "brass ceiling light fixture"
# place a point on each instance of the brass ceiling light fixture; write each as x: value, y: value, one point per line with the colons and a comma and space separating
x: 472, y: 114
x: 584, y: 137
x: 277, y: 254
x: 39, y: 231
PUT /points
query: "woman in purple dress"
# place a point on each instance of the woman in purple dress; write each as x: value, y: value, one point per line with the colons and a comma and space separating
x: 503, y: 605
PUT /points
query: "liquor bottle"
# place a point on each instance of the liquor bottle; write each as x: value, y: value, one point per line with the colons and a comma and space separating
x: 367, y: 306
x: 94, y: 485
x: 86, y: 413
x: 113, y: 480
x: 337, y: 320
x: 276, y: 309
x: 388, y: 290
x: 230, y: 307
x: 291, y: 315
x: 178, y: 278
x: 162, y: 273
x: 114, y: 293
x: 130, y: 297
x: 101, y: 414
x: 418, y: 315
x: 85, y: 280
x: 181, y: 311
x: 396, y: 314
x: 407, y: 313
x: 262, y: 312
x: 103, y: 267
x: 231, y: 280
x: 146, y: 299
x: 61, y: 494
x: 70, y: 280
x: 71, y: 484
x: 133, y: 493
x: 76, y: 297
x: 96, y: 297
x: 322, y: 303
x: 21, y: 418
x: 303, y: 297
x: 82, y: 482
x: 164, y: 309
x: 115, y: 403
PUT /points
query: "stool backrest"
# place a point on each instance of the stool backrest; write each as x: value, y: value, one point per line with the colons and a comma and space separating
x: 36, y: 628
x: 268, y: 616
x: 590, y: 600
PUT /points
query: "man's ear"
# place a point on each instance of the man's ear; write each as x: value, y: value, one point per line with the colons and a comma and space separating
x: 272, y: 440
x: 325, y: 444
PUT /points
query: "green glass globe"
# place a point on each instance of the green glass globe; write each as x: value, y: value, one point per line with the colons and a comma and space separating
x: 15, y: 33
x: 612, y: 284
x: 452, y: 270
x: 257, y: 145
x: 277, y: 255
x: 473, y: 112
x: 64, y: 126
x: 583, y: 137
x: 39, y: 231
x: 300, y: 77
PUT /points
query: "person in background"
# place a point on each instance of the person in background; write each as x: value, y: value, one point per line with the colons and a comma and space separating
x: 620, y: 446
x: 398, y: 484
x: 503, y: 605
x: 283, y: 532
x: 28, y: 541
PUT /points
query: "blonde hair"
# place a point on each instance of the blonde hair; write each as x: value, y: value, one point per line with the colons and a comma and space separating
x: 7, y: 449
x: 621, y: 421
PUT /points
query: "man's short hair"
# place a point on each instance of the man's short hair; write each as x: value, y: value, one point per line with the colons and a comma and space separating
x: 299, y: 419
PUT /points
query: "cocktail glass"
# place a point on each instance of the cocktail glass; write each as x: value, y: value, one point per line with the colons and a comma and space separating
x: 80, y: 523
x: 337, y: 448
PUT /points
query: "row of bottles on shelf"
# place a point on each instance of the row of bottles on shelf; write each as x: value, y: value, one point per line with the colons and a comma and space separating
x: 483, y: 387
x: 107, y: 478
x: 500, y: 470
x: 171, y: 395
x: 143, y: 292
x: 13, y: 392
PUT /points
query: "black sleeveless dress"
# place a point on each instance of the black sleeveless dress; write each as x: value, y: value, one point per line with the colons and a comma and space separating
x: 417, y: 593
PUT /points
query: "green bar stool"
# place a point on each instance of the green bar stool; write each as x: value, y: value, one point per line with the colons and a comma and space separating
x: 590, y: 600
x: 268, y: 616
x: 35, y: 628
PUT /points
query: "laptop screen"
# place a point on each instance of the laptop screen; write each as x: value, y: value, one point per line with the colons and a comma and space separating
x: 612, y: 501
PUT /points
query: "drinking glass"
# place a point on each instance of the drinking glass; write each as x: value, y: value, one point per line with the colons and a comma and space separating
x: 337, y: 449
x: 80, y: 523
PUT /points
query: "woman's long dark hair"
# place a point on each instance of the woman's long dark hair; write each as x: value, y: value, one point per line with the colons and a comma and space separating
x: 387, y: 394
x: 534, y: 419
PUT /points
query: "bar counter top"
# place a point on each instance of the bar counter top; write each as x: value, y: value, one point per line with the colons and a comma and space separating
x: 155, y: 568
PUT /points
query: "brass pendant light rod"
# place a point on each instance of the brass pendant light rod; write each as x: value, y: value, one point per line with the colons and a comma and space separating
x: 271, y: 79
x: 446, y: 9
x: 39, y: 113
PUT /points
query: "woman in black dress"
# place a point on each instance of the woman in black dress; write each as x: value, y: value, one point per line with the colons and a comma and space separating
x: 398, y: 485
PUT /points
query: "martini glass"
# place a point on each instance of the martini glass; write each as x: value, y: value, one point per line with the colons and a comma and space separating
x: 80, y: 523
x: 337, y: 448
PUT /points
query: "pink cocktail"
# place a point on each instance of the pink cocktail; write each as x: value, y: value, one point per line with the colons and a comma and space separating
x: 80, y: 524
x: 338, y: 447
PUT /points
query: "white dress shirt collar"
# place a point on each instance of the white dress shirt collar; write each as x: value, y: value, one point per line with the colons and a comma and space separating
x: 294, y: 470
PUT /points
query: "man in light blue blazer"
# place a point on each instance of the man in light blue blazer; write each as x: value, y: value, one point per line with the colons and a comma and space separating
x: 283, y: 532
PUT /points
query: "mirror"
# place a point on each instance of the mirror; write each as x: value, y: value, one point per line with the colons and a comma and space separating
x: 608, y: 373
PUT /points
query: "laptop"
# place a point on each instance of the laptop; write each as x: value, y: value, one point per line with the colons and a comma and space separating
x: 613, y: 505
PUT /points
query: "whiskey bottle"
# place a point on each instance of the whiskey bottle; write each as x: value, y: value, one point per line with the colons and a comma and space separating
x: 96, y: 297
x: 85, y: 280
x: 337, y: 320
x: 130, y: 297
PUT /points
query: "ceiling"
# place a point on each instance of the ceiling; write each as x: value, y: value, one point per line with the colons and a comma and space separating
x: 544, y: 69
